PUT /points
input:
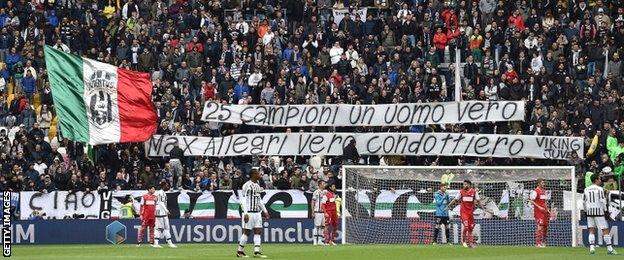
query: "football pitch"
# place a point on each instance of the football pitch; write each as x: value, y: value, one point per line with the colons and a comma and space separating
x: 303, y: 252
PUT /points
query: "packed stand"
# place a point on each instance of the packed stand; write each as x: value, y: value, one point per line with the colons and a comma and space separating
x: 561, y: 57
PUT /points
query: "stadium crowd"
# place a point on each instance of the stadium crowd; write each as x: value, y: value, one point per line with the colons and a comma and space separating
x: 561, y: 57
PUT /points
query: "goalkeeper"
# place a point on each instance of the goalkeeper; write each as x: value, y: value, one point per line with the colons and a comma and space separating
x: 441, y: 200
x: 331, y: 214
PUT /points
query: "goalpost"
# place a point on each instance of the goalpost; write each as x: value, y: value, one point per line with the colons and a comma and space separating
x: 394, y: 204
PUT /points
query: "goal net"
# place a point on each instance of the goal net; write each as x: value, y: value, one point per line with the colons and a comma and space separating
x: 395, y: 205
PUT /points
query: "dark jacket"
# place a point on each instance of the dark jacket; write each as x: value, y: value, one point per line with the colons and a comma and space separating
x: 350, y: 153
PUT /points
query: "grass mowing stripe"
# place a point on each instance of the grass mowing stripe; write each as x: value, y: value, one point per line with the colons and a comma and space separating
x: 303, y: 252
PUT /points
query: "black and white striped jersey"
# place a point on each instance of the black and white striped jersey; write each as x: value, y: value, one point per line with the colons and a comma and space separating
x: 317, y: 196
x: 594, y: 201
x: 250, y: 200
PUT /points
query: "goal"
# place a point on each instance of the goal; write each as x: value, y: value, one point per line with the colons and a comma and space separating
x: 395, y: 205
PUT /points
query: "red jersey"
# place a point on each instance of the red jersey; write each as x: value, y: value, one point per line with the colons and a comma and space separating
x: 329, y: 202
x: 467, y: 199
x: 148, y: 206
x: 539, y: 197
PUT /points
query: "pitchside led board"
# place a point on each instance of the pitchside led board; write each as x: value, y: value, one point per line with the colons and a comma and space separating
x: 275, y: 231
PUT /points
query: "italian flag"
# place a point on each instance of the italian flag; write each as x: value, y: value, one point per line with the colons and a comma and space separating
x: 98, y: 103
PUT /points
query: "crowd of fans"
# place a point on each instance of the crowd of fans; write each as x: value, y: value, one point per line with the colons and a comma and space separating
x: 561, y: 57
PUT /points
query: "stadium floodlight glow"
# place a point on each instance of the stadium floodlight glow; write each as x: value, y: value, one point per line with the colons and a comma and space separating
x: 394, y: 204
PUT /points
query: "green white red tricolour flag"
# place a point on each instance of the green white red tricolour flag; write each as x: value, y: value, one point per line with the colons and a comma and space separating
x: 98, y: 103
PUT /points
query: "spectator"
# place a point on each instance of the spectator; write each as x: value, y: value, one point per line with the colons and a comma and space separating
x: 225, y: 183
x: 47, y: 185
x: 336, y: 53
x: 27, y: 116
x: 40, y: 167
x: 281, y: 181
x: 75, y: 184
x: 350, y: 153
x: 610, y: 184
x: 175, y: 161
x: 119, y: 183
x: 440, y: 40
x: 45, y: 119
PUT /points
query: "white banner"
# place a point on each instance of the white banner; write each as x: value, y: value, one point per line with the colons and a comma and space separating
x: 288, y: 203
x: 448, y: 144
x: 403, y: 114
x: 339, y: 14
x: 388, y: 204
x: 60, y: 204
x: 387, y: 199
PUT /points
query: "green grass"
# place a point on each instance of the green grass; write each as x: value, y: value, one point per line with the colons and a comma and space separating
x: 302, y: 252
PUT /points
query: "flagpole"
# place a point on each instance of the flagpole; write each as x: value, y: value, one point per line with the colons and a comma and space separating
x: 458, y: 85
x: 605, y: 73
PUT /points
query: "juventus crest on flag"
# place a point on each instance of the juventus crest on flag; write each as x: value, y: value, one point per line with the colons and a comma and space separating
x: 98, y: 103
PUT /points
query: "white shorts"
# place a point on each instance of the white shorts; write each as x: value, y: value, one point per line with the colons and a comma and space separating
x: 597, y: 222
x: 319, y: 219
x: 255, y: 221
x: 162, y: 223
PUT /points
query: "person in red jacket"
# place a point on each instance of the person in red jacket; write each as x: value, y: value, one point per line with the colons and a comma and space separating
x: 452, y: 34
x: 194, y: 44
x: 452, y: 37
x: 148, y: 215
x: 22, y: 103
x: 516, y: 20
x: 510, y: 74
x: 439, y: 41
x: 331, y: 214
x: 208, y: 89
x: 450, y: 18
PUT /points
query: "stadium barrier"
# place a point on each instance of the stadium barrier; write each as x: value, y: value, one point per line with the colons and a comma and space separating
x: 74, y: 231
